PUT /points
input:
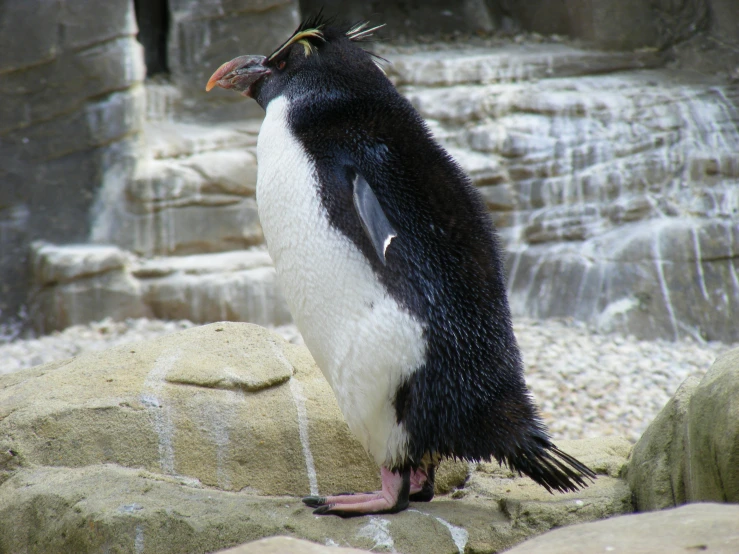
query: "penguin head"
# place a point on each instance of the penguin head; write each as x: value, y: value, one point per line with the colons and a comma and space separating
x: 319, y: 57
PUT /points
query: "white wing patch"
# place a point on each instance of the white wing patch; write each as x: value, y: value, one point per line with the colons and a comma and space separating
x: 387, y: 242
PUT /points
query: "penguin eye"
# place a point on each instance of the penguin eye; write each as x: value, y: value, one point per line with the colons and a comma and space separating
x: 281, y: 65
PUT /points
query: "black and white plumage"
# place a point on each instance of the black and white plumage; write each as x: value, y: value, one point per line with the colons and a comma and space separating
x: 391, y: 269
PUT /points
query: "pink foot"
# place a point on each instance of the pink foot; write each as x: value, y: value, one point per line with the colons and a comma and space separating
x: 392, y: 498
x: 422, y: 484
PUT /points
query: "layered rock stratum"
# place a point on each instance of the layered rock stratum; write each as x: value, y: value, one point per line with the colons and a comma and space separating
x: 612, y: 179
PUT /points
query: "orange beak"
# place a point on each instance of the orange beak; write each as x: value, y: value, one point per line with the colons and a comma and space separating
x: 240, y: 73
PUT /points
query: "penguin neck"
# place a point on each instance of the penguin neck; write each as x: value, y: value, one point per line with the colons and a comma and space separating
x: 316, y: 95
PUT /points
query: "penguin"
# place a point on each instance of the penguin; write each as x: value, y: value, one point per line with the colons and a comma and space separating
x: 392, y: 270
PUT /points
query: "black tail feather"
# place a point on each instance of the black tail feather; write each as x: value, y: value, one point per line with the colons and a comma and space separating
x: 553, y: 469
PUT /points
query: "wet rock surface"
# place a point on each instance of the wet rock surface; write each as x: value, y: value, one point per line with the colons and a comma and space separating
x: 190, y: 442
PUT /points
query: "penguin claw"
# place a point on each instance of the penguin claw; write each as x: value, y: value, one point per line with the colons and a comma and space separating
x: 323, y: 510
x: 330, y: 510
x: 314, y: 501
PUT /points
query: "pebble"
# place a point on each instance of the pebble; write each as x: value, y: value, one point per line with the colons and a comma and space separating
x: 78, y: 339
x: 586, y: 384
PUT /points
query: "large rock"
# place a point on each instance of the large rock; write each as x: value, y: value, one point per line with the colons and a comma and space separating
x: 205, y: 438
x: 280, y: 545
x: 713, y: 434
x: 214, y: 403
x: 690, y: 453
x: 656, y: 472
x: 697, y: 527
x: 74, y: 284
x: 692, y: 528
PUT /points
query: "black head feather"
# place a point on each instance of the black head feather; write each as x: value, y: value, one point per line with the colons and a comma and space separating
x: 318, y: 29
x: 321, y: 54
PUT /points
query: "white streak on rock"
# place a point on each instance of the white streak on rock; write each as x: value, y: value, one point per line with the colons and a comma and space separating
x: 296, y: 389
x: 161, y: 415
x: 699, y: 264
x: 659, y: 262
x: 460, y: 536
x: 377, y: 531
x: 138, y: 542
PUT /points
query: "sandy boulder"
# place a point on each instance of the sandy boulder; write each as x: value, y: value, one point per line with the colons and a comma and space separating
x: 690, y: 453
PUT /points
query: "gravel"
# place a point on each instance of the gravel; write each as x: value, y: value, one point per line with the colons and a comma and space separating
x: 587, y: 384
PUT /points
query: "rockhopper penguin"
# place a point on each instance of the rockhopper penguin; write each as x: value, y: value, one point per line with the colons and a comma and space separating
x: 391, y: 269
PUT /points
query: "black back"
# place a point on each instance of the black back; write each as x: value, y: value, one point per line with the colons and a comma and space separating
x: 469, y: 399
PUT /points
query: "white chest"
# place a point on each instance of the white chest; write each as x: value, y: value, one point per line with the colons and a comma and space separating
x: 359, y: 336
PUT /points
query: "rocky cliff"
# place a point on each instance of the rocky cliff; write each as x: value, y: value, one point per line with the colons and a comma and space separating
x: 611, y: 175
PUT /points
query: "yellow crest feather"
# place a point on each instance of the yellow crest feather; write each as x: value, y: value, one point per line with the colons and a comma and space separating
x: 302, y: 38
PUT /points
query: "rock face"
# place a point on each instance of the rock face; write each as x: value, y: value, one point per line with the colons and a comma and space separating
x: 656, y: 472
x: 204, y: 35
x: 614, y: 192
x: 613, y: 183
x: 613, y: 179
x: 713, y: 432
x: 617, y: 24
x: 692, y: 528
x: 71, y: 110
x: 610, y: 24
x: 691, y: 451
x: 194, y: 194
x: 205, y: 438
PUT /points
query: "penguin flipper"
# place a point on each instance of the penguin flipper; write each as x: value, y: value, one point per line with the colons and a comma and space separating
x: 373, y: 219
